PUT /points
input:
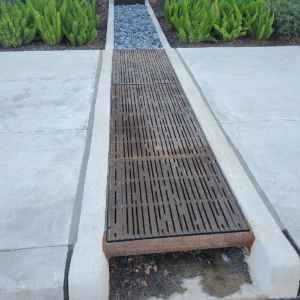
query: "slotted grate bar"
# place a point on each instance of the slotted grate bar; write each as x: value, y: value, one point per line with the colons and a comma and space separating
x: 163, y: 178
x: 133, y: 68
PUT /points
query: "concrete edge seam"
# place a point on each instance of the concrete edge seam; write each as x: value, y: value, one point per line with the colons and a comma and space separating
x: 110, y: 38
x: 159, y: 31
x: 82, y: 175
x: 89, y: 270
x: 274, y: 264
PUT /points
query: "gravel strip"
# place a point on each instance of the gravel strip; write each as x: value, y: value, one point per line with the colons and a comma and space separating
x: 134, y: 28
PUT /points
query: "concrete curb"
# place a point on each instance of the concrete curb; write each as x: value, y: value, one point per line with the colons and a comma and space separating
x: 274, y: 264
x: 110, y: 38
x: 159, y: 31
x: 89, y: 272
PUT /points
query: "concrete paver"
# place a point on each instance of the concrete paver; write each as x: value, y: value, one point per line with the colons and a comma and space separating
x: 254, y: 94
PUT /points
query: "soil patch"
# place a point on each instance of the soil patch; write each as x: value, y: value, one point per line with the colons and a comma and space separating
x: 97, y: 44
x: 160, y: 275
x: 244, y: 41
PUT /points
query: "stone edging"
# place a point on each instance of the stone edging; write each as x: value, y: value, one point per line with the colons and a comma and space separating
x: 110, y: 37
x: 159, y: 31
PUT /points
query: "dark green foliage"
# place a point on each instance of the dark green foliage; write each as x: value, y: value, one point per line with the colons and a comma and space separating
x: 79, y: 21
x: 17, y: 25
x: 160, y: 4
x: 261, y: 28
x: 287, y: 18
x: 7, y: 2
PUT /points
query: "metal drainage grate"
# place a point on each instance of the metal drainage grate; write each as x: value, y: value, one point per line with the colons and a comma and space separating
x: 163, y: 179
x: 133, y: 68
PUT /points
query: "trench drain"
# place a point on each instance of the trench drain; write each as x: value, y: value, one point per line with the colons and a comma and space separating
x: 166, y: 191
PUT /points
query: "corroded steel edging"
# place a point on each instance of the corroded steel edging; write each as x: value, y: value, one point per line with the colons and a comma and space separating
x: 180, y: 243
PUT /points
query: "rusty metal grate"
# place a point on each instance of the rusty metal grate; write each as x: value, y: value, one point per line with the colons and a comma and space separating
x: 163, y: 178
x: 130, y: 67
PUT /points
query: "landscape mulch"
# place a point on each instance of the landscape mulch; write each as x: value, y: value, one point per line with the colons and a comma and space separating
x: 97, y: 44
x: 243, y: 41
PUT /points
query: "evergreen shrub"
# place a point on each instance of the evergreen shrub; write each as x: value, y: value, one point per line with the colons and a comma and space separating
x: 79, y: 21
x: 261, y: 28
x: 209, y: 20
x: 48, y: 20
x: 17, y: 26
x: 286, y: 18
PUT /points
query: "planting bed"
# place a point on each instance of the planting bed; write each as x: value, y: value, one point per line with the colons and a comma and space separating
x: 244, y: 41
x: 97, y: 44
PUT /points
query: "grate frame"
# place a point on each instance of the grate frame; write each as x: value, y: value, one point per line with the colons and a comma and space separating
x: 164, y: 180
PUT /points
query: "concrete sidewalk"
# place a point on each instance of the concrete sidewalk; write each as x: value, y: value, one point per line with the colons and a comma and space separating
x: 254, y: 94
x: 45, y: 104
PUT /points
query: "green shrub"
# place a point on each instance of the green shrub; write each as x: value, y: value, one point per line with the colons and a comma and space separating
x: 231, y: 22
x: 230, y: 26
x: 7, y: 2
x: 48, y: 20
x: 261, y: 28
x: 287, y: 18
x: 79, y: 21
x: 204, y: 20
x: 38, y: 5
x: 194, y: 20
x: 17, y: 25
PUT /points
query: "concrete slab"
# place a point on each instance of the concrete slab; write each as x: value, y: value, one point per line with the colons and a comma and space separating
x: 46, y: 90
x: 274, y: 265
x: 45, y: 103
x: 253, y: 93
x: 48, y: 65
x: 274, y: 163
x: 33, y: 274
x: 42, y: 105
x: 38, y: 183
